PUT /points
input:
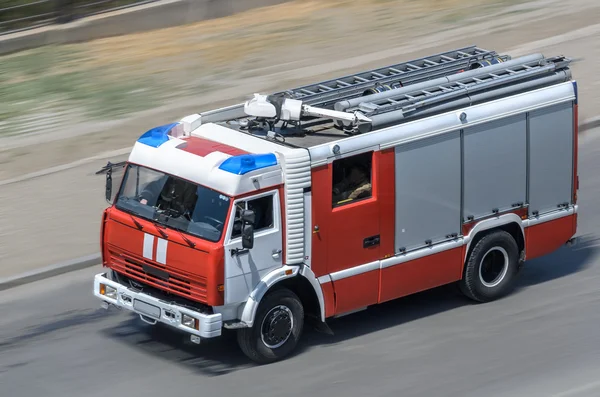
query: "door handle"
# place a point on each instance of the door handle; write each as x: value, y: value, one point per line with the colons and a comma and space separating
x: 275, y: 254
x: 371, y: 241
x: 238, y: 251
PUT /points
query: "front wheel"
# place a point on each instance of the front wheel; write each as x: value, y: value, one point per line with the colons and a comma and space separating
x: 277, y: 328
x: 491, y: 267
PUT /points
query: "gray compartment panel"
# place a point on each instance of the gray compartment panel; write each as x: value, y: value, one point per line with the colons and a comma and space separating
x: 428, y: 190
x: 495, y: 166
x: 551, y: 157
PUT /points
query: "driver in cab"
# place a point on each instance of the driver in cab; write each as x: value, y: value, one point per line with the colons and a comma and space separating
x: 355, y: 186
x: 167, y: 193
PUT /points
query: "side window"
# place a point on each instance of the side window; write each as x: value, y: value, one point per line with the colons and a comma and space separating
x: 263, y: 211
x: 352, y: 179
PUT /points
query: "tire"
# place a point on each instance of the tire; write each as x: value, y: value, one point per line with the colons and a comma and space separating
x: 485, y: 283
x: 256, y: 345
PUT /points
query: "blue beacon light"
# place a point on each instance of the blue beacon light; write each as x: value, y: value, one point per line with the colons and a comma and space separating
x: 157, y: 136
x: 245, y: 163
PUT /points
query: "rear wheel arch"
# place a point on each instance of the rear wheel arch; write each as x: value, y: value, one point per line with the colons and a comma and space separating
x: 510, y: 224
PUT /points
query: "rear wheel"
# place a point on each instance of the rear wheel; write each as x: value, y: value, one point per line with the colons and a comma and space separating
x: 491, y: 267
x: 277, y: 328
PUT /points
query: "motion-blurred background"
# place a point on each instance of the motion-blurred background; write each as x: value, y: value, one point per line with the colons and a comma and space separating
x: 80, y: 80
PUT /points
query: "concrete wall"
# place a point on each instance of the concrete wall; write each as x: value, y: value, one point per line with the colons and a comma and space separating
x: 162, y: 14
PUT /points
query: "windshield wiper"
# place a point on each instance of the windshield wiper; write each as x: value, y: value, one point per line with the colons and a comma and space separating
x: 187, y: 240
x: 157, y: 221
x: 162, y: 233
x: 139, y: 225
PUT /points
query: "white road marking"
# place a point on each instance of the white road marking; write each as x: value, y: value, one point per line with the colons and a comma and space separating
x: 64, y: 167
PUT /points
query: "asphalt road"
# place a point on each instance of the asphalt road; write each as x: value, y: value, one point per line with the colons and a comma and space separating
x: 543, y: 340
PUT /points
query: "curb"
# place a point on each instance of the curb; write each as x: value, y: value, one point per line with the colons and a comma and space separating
x: 50, y: 271
x: 68, y: 166
x: 589, y: 124
x: 94, y: 259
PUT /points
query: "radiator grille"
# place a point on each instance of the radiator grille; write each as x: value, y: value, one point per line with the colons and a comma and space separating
x: 157, y: 275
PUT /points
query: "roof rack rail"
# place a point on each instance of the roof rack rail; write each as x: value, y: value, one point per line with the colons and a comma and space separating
x: 325, y: 93
x: 455, y: 90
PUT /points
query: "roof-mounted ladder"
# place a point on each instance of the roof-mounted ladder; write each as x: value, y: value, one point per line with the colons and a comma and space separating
x: 526, y: 72
x: 325, y: 93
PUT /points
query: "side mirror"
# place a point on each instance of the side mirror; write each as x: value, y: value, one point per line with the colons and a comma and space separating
x: 108, y: 189
x: 248, y: 216
x: 109, y: 169
x: 248, y: 236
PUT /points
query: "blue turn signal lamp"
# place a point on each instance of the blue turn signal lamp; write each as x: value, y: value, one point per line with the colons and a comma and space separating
x: 245, y: 163
x: 157, y: 136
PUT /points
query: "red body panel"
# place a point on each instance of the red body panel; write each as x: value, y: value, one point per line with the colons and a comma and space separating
x: 103, y: 251
x: 321, y: 208
x: 342, y: 230
x: 356, y: 292
x: 338, y: 243
x: 546, y: 237
x: 194, y: 273
x: 348, y: 227
x: 386, y: 194
x: 421, y: 274
x: 575, y: 151
x: 329, y: 298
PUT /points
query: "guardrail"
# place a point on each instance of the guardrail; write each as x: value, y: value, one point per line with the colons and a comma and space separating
x: 19, y: 15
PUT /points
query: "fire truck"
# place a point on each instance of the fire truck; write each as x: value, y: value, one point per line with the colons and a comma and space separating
x: 296, y: 207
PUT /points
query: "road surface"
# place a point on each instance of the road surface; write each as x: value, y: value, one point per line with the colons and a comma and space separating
x: 543, y: 340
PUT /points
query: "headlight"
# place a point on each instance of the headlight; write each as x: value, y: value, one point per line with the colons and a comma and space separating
x: 108, y: 291
x: 189, y: 321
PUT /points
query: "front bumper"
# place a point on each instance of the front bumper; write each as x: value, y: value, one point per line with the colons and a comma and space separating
x: 153, y: 310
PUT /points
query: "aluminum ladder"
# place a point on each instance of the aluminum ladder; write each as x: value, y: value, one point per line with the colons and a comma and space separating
x: 460, y: 84
x: 325, y: 93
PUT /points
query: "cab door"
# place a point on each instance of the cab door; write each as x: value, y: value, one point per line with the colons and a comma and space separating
x: 244, y: 268
x: 350, y: 217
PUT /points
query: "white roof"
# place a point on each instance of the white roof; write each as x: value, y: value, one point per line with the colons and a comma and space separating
x: 204, y: 170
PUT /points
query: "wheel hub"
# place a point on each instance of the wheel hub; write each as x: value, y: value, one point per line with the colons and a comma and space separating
x: 493, y: 267
x: 277, y: 326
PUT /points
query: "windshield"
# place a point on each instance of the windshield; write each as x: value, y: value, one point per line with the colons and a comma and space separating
x: 173, y: 202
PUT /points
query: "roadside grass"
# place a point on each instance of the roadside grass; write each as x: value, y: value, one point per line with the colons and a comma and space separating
x: 53, y: 80
x: 115, y: 77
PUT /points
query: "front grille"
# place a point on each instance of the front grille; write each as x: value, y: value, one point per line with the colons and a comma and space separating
x: 157, y: 276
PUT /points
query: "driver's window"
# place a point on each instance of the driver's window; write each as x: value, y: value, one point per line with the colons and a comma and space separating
x: 143, y: 183
x: 263, y: 211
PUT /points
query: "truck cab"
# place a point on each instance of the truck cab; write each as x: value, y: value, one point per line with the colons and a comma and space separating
x: 194, y: 229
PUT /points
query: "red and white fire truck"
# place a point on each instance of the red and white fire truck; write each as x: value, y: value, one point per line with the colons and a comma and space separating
x: 322, y: 200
